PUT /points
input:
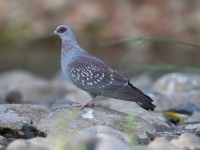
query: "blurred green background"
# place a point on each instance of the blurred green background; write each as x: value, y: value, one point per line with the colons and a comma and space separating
x: 127, y: 34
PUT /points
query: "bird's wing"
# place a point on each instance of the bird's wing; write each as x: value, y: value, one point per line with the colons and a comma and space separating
x: 97, y: 78
x: 94, y: 76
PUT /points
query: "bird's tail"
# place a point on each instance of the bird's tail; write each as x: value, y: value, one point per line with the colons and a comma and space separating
x: 143, y: 100
x: 148, y: 106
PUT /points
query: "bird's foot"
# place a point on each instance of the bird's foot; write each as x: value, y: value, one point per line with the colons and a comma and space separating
x: 84, y: 104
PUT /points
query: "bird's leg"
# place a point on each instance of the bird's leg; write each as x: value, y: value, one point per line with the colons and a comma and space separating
x: 87, y: 103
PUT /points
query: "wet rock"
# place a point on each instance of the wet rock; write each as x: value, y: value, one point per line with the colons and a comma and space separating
x: 161, y: 101
x: 187, y: 141
x: 173, y: 83
x: 37, y: 143
x: 162, y: 144
x: 13, y: 118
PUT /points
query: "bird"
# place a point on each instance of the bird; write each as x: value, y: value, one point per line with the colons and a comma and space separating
x: 93, y: 75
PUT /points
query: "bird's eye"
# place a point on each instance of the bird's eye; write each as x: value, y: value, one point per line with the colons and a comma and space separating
x: 62, y: 30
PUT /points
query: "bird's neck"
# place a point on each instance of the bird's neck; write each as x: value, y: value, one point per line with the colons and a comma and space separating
x: 69, y: 45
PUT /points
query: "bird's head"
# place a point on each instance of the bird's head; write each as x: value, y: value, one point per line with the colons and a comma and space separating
x: 65, y: 32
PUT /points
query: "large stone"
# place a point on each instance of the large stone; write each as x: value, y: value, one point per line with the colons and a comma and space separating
x: 181, y: 88
x: 67, y: 120
x: 32, y: 89
x: 71, y: 119
x: 173, y: 83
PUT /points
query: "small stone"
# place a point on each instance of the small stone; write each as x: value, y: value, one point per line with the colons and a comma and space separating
x: 14, y: 97
x: 187, y: 141
x: 162, y: 144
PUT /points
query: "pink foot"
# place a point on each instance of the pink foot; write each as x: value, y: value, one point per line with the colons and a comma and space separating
x: 84, y: 104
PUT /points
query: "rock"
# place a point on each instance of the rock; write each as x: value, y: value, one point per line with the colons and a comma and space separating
x: 185, y: 97
x: 156, y: 120
x: 119, y: 105
x: 109, y: 143
x: 32, y: 89
x: 143, y: 131
x: 162, y: 144
x: 173, y: 83
x: 3, y: 141
x: 72, y: 119
x: 33, y: 112
x: 15, y: 117
x: 168, y: 135
x: 61, y: 104
x: 187, y: 141
x: 105, y: 130
x: 11, y: 119
x: 142, y: 147
x: 161, y: 101
x: 14, y: 97
x: 18, y: 80
x: 192, y: 128
x: 194, y: 118
x: 100, y: 142
x: 37, y: 143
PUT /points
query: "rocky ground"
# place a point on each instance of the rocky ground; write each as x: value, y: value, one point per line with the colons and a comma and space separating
x: 39, y: 114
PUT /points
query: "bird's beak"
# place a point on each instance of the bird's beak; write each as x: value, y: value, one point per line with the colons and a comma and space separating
x: 53, y: 33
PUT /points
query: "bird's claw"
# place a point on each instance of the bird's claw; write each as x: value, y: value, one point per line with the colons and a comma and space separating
x: 83, y: 104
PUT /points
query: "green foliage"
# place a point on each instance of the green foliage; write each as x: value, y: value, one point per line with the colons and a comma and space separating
x: 129, y: 129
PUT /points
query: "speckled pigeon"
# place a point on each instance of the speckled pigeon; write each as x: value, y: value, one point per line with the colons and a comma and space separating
x: 93, y: 75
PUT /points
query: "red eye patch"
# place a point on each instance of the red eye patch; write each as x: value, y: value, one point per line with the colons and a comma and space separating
x: 62, y: 30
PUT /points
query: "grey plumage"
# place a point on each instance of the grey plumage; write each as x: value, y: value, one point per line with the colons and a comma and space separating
x: 93, y: 75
